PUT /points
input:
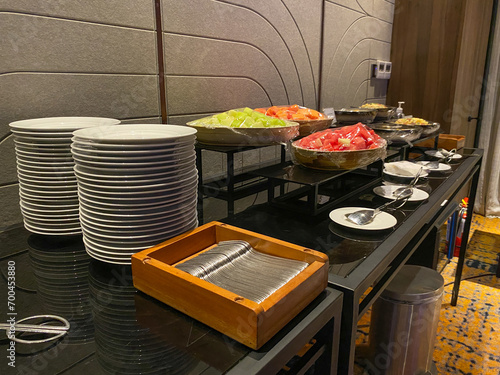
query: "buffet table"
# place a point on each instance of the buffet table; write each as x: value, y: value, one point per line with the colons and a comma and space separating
x: 117, y: 329
x: 361, y: 264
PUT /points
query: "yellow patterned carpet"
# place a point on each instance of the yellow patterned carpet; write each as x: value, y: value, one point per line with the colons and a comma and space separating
x: 468, y: 337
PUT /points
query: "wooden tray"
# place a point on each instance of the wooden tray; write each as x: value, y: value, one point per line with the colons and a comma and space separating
x: 246, y: 321
x: 446, y: 141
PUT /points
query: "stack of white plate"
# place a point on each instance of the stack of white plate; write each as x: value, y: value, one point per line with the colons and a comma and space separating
x: 47, y: 183
x: 137, y: 186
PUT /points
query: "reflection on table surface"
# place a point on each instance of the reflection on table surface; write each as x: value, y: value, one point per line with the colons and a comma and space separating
x: 115, y: 329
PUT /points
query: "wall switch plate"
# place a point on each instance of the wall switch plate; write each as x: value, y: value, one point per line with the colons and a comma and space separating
x: 382, y: 69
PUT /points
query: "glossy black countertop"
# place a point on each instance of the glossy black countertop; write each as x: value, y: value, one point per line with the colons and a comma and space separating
x: 116, y: 329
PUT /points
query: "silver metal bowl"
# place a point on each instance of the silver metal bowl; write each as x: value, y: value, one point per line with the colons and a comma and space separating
x: 349, y: 116
x: 395, y: 133
x: 427, y: 129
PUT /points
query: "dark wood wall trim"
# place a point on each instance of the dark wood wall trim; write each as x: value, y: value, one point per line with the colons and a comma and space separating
x: 425, y: 52
x: 161, y: 66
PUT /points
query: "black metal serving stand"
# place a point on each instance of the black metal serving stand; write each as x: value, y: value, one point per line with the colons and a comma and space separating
x: 225, y: 188
x: 362, y: 265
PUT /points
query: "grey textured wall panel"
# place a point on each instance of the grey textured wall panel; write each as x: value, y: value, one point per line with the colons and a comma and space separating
x: 32, y: 95
x: 209, y: 94
x: 356, y: 34
x: 9, y: 201
x: 8, y: 161
x: 68, y: 58
x: 268, y: 27
x: 377, y: 89
x: 133, y: 13
x: 35, y: 43
x: 221, y: 59
x: 145, y: 120
x: 384, y: 10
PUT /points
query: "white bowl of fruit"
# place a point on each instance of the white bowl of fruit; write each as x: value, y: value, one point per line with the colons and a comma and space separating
x: 243, y: 127
x: 348, y: 147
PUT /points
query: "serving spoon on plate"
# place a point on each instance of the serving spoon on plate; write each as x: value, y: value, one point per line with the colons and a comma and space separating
x: 363, y: 217
x: 410, y: 186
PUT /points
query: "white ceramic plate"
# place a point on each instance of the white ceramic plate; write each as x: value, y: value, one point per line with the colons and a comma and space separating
x: 136, y: 213
x: 57, y: 232
x: 44, y: 159
x: 46, y: 141
x: 47, y: 179
x: 47, y: 184
x: 61, y: 219
x: 44, y: 147
x: 380, y: 222
x: 386, y: 191
x: 130, y: 163
x: 151, y: 230
x: 140, y: 195
x: 127, y: 158
x: 49, y: 209
x: 43, y: 164
x: 423, y: 174
x: 118, y: 203
x: 441, y: 167
x: 134, y: 134
x: 136, y: 239
x: 49, y: 190
x: 124, y: 170
x: 143, y: 189
x: 55, y: 124
x: 22, y: 166
x: 151, y: 147
x: 167, y: 150
x: 126, y: 184
x: 52, y: 228
x: 104, y: 248
x: 439, y: 155
x: 26, y: 151
x: 133, y: 178
x: 105, y: 259
x: 122, y: 221
x: 25, y: 133
x: 27, y: 190
x: 34, y: 149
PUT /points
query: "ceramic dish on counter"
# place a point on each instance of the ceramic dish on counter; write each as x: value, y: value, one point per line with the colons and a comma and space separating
x: 45, y: 171
x: 403, y: 172
x: 350, y: 116
x: 386, y: 191
x: 438, y: 155
x: 309, y: 120
x: 428, y: 127
x: 382, y: 221
x: 243, y: 127
x: 430, y: 167
x: 347, y: 147
x: 137, y: 186
x: 384, y: 112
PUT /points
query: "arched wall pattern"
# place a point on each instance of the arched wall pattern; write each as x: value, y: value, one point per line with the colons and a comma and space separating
x: 99, y: 58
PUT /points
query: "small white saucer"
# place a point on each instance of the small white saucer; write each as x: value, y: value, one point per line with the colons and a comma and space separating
x: 441, y: 167
x: 386, y: 191
x: 439, y: 155
x: 382, y: 221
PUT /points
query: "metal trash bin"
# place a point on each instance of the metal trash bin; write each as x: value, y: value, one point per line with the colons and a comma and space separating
x: 404, y: 323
